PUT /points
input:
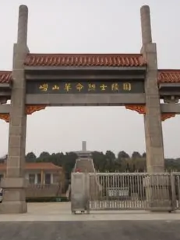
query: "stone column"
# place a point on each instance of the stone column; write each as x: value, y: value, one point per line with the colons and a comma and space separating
x: 52, y: 178
x: 36, y: 178
x: 157, y: 187
x: 14, y: 200
x: 84, y: 146
x: 42, y: 177
x: 152, y: 119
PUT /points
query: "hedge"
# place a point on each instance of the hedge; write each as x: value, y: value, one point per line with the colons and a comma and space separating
x: 47, y: 199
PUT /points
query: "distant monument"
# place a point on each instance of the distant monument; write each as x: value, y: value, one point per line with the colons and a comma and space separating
x: 84, y: 153
x: 84, y: 162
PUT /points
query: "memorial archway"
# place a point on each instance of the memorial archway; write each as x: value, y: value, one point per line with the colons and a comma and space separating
x: 39, y: 80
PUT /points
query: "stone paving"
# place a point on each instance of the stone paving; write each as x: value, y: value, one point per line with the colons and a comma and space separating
x: 62, y: 212
x: 54, y: 221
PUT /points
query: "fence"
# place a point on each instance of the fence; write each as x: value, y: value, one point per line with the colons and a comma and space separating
x: 43, y: 190
x: 125, y: 191
x: 176, y: 189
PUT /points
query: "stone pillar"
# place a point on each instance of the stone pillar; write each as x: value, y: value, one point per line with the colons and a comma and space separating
x: 14, y: 200
x: 152, y: 119
x: 42, y: 177
x: 36, y: 178
x: 84, y: 146
x: 157, y: 186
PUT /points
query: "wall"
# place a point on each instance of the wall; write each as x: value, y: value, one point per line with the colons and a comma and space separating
x: 38, y: 190
x: 44, y: 190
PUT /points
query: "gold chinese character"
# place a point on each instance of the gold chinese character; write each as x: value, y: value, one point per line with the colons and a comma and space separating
x: 43, y: 87
x: 115, y: 87
x: 67, y: 87
x: 55, y: 87
x: 103, y: 87
x: 79, y: 87
x: 127, y: 86
x: 91, y: 87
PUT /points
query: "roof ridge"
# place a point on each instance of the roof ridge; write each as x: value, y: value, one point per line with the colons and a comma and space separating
x: 36, y: 164
x: 85, y: 54
x: 170, y: 69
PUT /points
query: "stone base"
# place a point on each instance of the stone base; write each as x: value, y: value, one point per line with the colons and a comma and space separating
x: 13, y: 207
x: 86, y: 165
x: 14, y: 196
x: 158, y: 193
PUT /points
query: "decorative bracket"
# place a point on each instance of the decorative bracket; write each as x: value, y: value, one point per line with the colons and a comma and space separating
x: 141, y: 109
x: 30, y: 109
x: 4, y: 116
x: 34, y: 108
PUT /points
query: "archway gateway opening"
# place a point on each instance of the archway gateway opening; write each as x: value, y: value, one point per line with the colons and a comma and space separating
x: 40, y: 80
x: 103, y: 128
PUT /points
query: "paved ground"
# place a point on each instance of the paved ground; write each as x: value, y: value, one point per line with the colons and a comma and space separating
x: 54, y: 221
x: 62, y: 212
x: 96, y: 230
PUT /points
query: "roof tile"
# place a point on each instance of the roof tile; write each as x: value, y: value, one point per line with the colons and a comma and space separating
x: 36, y: 166
x: 5, y: 76
x: 85, y: 60
x: 169, y: 76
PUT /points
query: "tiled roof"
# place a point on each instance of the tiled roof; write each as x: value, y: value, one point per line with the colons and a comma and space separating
x: 85, y: 60
x: 5, y: 76
x: 42, y: 166
x: 36, y: 166
x: 169, y: 76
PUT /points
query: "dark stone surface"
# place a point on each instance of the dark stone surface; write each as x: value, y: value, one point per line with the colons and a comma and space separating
x: 86, y: 86
x: 95, y: 230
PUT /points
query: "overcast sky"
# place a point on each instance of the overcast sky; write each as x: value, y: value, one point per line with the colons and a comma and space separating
x: 91, y: 26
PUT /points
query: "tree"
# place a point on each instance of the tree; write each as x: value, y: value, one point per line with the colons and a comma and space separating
x: 136, y: 155
x: 123, y: 155
x: 30, y: 157
x: 127, y: 168
x: 44, y: 157
x: 103, y: 162
x: 99, y: 161
x: 69, y: 163
x: 134, y: 168
x: 110, y: 161
x: 110, y: 155
x: 57, y: 159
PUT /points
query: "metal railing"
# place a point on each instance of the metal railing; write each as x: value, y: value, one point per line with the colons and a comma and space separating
x: 176, y: 189
x: 126, y: 191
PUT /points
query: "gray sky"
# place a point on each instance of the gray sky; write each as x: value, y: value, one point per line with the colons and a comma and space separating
x: 91, y: 26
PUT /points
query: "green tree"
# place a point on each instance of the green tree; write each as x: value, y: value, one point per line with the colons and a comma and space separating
x: 69, y: 163
x: 123, y: 155
x: 44, y: 157
x: 103, y: 162
x: 110, y: 159
x: 110, y: 155
x: 136, y: 155
x: 30, y: 157
x: 99, y: 161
